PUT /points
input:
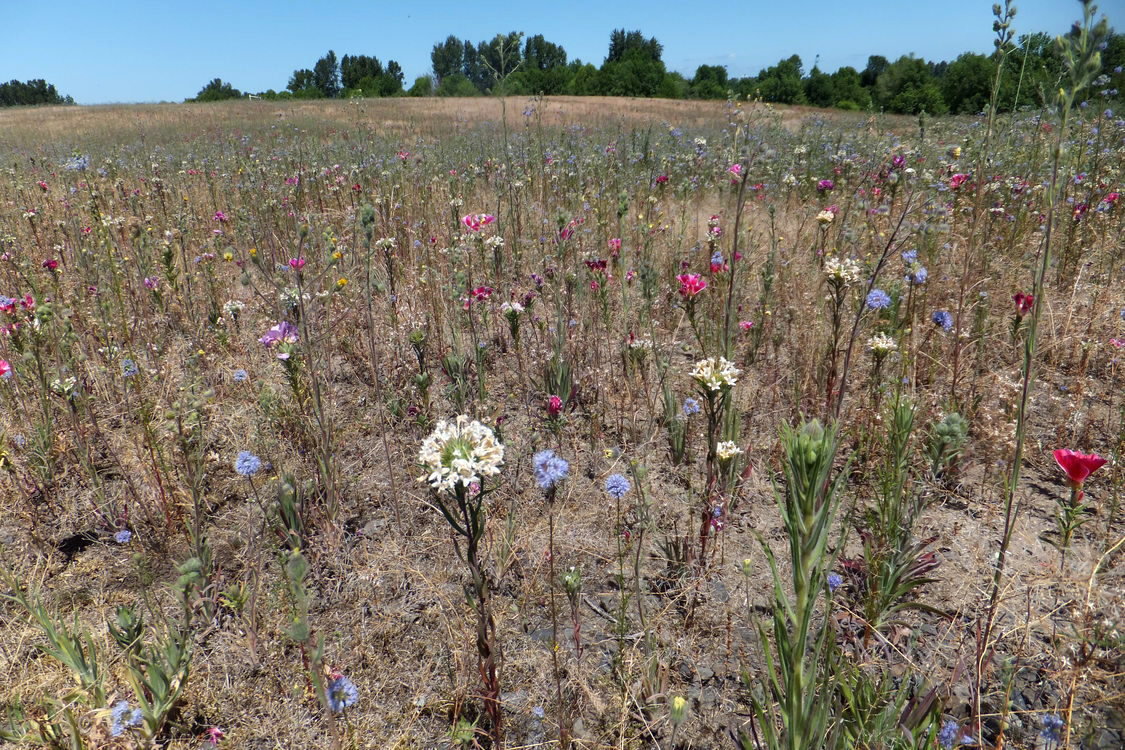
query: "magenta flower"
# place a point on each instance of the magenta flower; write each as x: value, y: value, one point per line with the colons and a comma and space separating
x: 297, y: 263
x: 474, y: 222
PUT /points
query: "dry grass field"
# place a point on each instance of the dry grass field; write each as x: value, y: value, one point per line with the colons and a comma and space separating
x: 228, y: 330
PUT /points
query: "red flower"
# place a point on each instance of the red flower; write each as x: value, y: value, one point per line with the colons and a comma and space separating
x: 554, y: 406
x: 1077, y: 465
x: 51, y: 264
x: 5, y: 368
x: 1024, y: 303
x: 296, y: 263
x: 958, y: 180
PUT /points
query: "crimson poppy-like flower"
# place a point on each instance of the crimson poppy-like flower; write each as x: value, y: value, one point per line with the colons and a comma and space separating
x: 1077, y: 465
x: 554, y: 406
x: 958, y: 180
x: 5, y: 369
x: 297, y: 263
x: 1024, y: 303
x: 474, y: 222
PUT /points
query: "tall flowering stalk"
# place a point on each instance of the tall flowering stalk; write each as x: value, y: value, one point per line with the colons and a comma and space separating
x: 457, y: 456
x: 792, y: 710
x: 1082, y: 61
x: 715, y: 377
x: 549, y: 471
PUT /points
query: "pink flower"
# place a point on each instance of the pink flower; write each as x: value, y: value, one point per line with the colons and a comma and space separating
x: 662, y: 179
x: 403, y: 155
x: 1024, y: 303
x: 615, y: 244
x: 554, y: 406
x: 825, y: 185
x: 957, y: 180
x: 297, y: 263
x: 5, y: 369
x: 1078, y: 466
x: 151, y: 282
x: 746, y: 325
x: 482, y: 293
x: 51, y: 264
x: 691, y: 284
x: 1118, y: 343
x: 735, y: 169
x: 474, y: 222
x: 214, y: 735
x: 220, y: 217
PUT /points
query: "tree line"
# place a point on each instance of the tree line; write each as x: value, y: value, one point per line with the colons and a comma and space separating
x: 515, y: 64
x: 20, y: 93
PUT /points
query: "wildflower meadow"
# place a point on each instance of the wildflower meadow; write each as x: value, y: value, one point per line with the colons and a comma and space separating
x: 348, y: 424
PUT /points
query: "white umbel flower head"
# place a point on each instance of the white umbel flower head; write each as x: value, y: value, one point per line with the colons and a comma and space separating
x: 880, y: 345
x: 460, y: 452
x: 726, y: 450
x: 842, y: 271
x: 715, y: 373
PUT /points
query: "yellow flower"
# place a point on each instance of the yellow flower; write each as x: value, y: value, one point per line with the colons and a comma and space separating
x: 337, y: 255
x: 341, y: 282
x: 253, y: 252
x: 228, y: 255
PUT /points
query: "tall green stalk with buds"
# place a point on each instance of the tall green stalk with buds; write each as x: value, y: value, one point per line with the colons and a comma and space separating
x: 792, y: 707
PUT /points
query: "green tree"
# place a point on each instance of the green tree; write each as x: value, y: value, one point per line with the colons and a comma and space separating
x: 782, y: 82
x: 820, y: 90
x: 301, y: 80
x: 36, y: 91
x: 447, y: 57
x: 354, y: 69
x: 326, y: 75
x: 848, y: 89
x: 966, y: 86
x: 907, y: 86
x: 423, y: 86
x: 216, y: 91
x: 709, y: 82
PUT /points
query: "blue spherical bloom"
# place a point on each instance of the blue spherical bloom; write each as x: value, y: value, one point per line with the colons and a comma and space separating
x: 910, y: 257
x: 943, y: 319
x: 128, y: 368
x: 538, y: 712
x: 124, y: 716
x: 342, y: 693
x: 716, y: 258
x: 123, y: 536
x: 917, y: 275
x: 6, y: 301
x: 240, y: 375
x: 1053, y: 725
x: 617, y: 485
x: 834, y: 581
x: 949, y: 734
x: 691, y: 406
x: 877, y: 299
x: 549, y: 468
x: 247, y: 464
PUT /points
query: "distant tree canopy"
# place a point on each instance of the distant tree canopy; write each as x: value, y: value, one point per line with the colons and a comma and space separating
x: 216, y: 91
x: 515, y: 64
x: 18, y: 93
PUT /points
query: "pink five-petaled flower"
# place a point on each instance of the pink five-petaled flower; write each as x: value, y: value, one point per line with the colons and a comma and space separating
x: 1118, y: 343
x: 297, y: 263
x: 662, y: 179
x: 735, y: 169
x: 214, y: 735
x: 746, y: 325
x: 1077, y: 465
x: 51, y: 264
x: 1024, y: 303
x: 554, y: 406
x: 5, y: 369
x: 957, y: 180
x: 474, y: 222
x: 691, y: 284
x: 825, y: 185
x: 220, y: 217
x: 482, y: 293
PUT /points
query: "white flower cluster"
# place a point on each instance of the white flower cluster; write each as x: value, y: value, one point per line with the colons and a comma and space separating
x: 715, y: 373
x: 233, y: 308
x: 511, y: 309
x: 826, y: 217
x: 844, y: 271
x: 881, y: 345
x: 460, y: 452
x: 726, y: 450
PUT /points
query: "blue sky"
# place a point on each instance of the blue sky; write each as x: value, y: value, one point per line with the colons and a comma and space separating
x: 126, y: 50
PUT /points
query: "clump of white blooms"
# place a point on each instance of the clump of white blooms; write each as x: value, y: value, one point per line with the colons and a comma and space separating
x: 842, y: 271
x: 233, y: 308
x: 726, y: 450
x: 826, y: 217
x: 881, y: 345
x: 460, y: 452
x: 494, y: 241
x: 510, y: 309
x: 715, y: 373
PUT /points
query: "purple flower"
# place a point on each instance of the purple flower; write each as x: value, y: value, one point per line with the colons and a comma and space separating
x: 617, y: 485
x: 549, y: 469
x: 825, y: 185
x: 943, y: 319
x: 834, y: 581
x: 123, y: 536
x: 342, y: 693
x: 877, y: 299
